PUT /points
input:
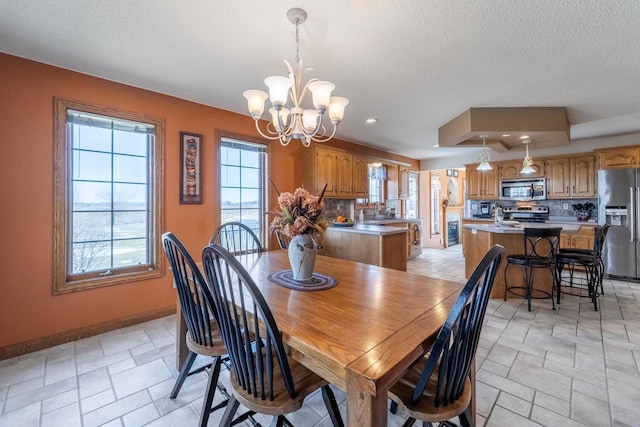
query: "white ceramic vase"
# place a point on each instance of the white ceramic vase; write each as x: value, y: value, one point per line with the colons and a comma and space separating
x: 302, y: 256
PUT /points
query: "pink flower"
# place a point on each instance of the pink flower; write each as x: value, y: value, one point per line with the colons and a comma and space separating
x: 300, y: 213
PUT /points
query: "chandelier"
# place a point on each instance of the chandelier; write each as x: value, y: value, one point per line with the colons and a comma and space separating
x: 484, y: 156
x: 296, y: 123
x: 527, y: 163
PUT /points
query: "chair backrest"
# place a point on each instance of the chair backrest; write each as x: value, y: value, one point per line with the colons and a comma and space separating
x: 237, y: 238
x: 245, y: 323
x: 541, y: 243
x: 191, y: 287
x: 457, y: 341
x: 600, y: 234
x: 283, y: 241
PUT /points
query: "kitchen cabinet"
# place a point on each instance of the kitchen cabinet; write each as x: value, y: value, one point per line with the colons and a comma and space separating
x: 403, y: 182
x: 344, y: 173
x: 582, y: 239
x: 619, y: 158
x: 360, y: 177
x: 511, y: 170
x: 393, y: 184
x: 482, y: 185
x: 571, y: 177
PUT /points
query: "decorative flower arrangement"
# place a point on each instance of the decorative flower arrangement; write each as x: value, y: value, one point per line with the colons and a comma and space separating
x: 300, y: 213
x: 583, y: 211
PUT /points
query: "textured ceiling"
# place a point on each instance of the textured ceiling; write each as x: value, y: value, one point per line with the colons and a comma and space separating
x: 414, y: 64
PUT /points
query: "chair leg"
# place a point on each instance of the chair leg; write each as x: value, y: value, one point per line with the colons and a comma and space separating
x: 232, y: 407
x: 211, y: 392
x: 332, y: 406
x: 409, y: 422
x: 529, y: 285
x: 393, y: 408
x: 184, y: 373
x: 506, y: 267
x: 465, y: 419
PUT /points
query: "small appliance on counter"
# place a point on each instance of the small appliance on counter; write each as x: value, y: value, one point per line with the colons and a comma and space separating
x: 485, y: 210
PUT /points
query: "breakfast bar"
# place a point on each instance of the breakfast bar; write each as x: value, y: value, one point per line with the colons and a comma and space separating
x: 479, y: 238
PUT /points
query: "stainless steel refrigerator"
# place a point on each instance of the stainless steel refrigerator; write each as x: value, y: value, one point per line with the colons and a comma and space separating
x: 619, y: 206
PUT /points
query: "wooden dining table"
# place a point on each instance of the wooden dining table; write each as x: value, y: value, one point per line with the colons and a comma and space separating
x: 360, y: 335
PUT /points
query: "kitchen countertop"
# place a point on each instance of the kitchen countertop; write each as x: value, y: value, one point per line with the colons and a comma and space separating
x: 365, y: 228
x: 551, y: 220
x: 382, y: 221
x: 519, y: 229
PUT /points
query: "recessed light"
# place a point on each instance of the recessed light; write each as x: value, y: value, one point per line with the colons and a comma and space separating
x: 437, y: 145
x: 371, y: 120
x: 524, y: 137
x: 506, y: 135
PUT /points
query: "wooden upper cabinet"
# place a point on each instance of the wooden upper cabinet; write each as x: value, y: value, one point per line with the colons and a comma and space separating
x: 360, y: 177
x: 482, y: 185
x: 511, y: 170
x: 392, y: 181
x: 583, y: 174
x: 403, y: 182
x: 572, y: 177
x: 344, y: 175
x: 619, y: 158
x: 325, y: 172
x: 558, y: 178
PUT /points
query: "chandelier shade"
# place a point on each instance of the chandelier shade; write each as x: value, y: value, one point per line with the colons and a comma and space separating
x: 296, y: 122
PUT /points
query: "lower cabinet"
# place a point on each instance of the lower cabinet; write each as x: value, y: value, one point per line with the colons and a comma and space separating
x: 582, y: 239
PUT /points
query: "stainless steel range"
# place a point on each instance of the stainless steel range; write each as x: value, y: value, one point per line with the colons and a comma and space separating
x: 526, y: 213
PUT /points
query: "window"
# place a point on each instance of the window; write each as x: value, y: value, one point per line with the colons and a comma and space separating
x: 242, y: 184
x: 412, y: 200
x: 107, y: 198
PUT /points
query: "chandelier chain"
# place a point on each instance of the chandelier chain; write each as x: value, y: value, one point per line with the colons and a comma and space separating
x: 297, y: 42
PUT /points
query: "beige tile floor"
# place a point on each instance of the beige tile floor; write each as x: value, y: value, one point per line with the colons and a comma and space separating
x: 569, y: 367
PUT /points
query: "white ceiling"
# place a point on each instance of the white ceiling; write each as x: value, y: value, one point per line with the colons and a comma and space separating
x: 413, y: 64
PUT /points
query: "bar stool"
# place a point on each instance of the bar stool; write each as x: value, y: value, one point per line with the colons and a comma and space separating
x: 540, y: 251
x: 588, y: 259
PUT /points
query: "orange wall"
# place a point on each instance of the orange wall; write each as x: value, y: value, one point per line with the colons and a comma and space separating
x: 28, y: 309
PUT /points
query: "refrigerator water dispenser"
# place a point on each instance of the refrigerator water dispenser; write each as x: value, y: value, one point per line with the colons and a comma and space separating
x: 617, y: 215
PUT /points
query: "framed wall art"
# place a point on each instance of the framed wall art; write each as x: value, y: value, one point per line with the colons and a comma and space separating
x: 449, y: 172
x: 455, y: 173
x: 190, y: 168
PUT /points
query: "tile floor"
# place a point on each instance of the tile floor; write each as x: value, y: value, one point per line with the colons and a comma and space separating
x: 571, y: 367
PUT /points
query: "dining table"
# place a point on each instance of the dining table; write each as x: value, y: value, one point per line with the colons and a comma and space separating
x: 362, y: 334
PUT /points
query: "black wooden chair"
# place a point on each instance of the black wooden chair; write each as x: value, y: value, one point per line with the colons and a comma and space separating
x: 237, y: 238
x: 263, y: 379
x: 283, y: 241
x: 540, y: 251
x: 203, y: 337
x: 600, y: 235
x: 437, y: 387
x: 590, y: 260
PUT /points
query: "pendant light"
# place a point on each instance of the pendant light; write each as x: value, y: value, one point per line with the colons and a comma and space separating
x: 527, y: 163
x: 484, y: 156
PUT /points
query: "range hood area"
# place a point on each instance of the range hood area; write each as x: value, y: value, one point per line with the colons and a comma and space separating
x: 545, y: 126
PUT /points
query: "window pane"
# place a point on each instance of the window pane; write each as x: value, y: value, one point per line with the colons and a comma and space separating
x: 229, y: 156
x: 90, y: 138
x: 89, y: 165
x: 228, y: 215
x: 91, y: 226
x: 129, y: 197
x: 230, y: 197
x: 250, y: 198
x: 250, y: 178
x: 92, y: 256
x: 129, y: 252
x: 251, y: 159
x: 129, y: 225
x: 230, y: 176
x: 129, y: 169
x: 91, y: 195
x: 130, y: 143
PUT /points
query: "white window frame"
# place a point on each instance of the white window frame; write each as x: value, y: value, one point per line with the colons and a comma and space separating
x: 63, y: 279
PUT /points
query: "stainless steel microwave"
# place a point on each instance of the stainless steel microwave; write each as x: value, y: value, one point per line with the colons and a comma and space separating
x: 523, y: 189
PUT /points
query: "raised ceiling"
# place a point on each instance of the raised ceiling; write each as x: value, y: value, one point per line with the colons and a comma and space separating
x: 414, y: 65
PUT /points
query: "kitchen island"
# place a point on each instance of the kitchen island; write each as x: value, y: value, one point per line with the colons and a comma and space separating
x: 370, y: 244
x: 479, y: 238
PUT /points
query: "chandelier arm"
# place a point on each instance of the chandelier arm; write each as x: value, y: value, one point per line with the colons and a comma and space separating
x: 323, y: 137
x: 294, y: 84
x: 305, y: 89
x: 262, y: 134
